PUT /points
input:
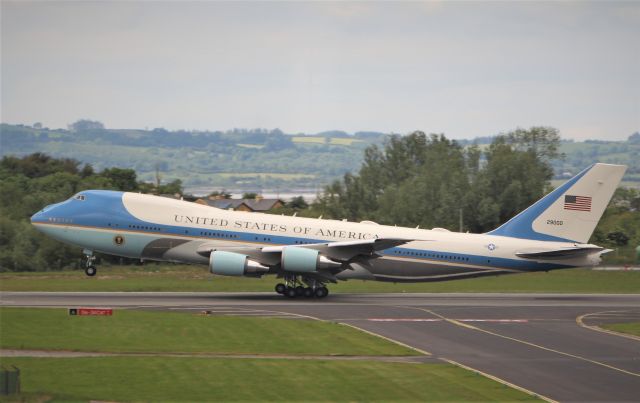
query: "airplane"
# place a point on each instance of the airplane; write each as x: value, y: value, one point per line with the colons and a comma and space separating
x: 308, y: 253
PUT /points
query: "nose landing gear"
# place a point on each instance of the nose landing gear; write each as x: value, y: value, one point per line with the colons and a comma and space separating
x: 294, y: 287
x: 89, y: 264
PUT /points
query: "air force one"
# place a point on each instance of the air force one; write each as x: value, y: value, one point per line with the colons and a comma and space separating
x: 308, y: 253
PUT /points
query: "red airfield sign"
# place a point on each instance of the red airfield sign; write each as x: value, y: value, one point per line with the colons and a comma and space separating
x: 91, y: 311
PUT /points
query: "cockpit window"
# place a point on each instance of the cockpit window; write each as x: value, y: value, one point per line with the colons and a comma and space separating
x: 80, y: 197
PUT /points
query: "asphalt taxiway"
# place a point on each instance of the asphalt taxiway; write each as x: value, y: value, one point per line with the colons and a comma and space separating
x: 548, y: 344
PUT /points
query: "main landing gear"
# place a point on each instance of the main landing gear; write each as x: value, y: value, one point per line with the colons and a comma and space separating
x: 293, y: 287
x: 89, y: 264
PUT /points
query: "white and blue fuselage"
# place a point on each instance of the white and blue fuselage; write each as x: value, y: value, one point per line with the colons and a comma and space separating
x: 549, y: 235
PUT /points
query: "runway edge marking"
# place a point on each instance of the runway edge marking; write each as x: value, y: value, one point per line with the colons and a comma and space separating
x: 528, y: 343
x: 499, y: 380
x: 423, y: 352
x: 580, y: 322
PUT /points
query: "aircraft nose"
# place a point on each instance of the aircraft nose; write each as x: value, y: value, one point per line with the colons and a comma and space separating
x: 38, y: 217
x: 42, y: 215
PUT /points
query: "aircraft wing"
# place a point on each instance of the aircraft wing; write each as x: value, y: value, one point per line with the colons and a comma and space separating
x: 339, y: 256
x: 342, y: 251
x: 346, y: 250
x: 562, y: 253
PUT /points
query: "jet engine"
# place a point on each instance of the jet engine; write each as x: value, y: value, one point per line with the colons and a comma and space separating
x: 235, y: 264
x: 305, y: 260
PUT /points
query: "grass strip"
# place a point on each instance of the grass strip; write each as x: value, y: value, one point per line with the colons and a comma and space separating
x: 195, y: 278
x: 632, y: 328
x: 169, y: 332
x: 202, y: 379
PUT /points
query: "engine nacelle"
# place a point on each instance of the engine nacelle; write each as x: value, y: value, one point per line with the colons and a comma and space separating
x: 305, y: 260
x: 234, y: 264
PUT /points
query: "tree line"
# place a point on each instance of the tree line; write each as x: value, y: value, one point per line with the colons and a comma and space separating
x: 429, y: 181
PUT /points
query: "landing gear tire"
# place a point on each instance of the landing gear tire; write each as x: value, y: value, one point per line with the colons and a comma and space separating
x: 291, y: 292
x: 89, y: 266
x: 321, y: 292
x: 296, y: 285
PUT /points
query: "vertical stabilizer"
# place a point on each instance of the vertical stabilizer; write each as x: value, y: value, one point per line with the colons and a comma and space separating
x: 569, y: 213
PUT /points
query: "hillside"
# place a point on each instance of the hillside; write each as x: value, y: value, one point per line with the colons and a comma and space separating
x: 581, y: 154
x: 240, y: 159
x: 255, y: 159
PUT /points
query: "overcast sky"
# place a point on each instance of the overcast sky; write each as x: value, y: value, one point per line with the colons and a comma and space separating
x: 465, y: 69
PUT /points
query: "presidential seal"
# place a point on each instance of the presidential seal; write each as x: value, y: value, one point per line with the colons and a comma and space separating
x: 118, y: 240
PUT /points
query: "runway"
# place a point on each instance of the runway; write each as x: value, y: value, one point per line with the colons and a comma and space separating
x: 545, y: 343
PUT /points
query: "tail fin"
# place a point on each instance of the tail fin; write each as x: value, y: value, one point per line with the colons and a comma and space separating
x: 571, y: 212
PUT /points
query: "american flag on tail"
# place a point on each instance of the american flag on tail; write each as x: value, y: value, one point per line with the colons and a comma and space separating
x: 578, y: 203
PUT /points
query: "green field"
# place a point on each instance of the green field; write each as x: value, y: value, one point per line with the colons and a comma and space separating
x: 308, y: 139
x: 171, y: 332
x: 344, y: 141
x: 339, y: 141
x: 206, y: 379
x: 196, y: 278
x: 629, y: 328
x: 196, y: 377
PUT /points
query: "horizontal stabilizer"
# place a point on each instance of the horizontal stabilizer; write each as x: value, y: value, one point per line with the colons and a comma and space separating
x: 563, y: 253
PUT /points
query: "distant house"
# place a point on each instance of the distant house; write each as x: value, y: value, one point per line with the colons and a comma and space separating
x: 260, y: 204
x: 250, y: 205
